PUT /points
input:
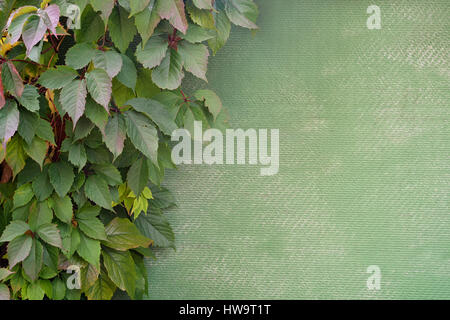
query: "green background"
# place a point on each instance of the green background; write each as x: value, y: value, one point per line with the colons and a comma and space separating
x: 364, y: 160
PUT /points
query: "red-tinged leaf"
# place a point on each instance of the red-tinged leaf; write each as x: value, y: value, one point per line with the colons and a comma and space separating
x: 11, y: 79
x: 173, y: 10
x: 33, y: 32
x: 9, y: 121
x: 51, y: 17
x: 2, y: 94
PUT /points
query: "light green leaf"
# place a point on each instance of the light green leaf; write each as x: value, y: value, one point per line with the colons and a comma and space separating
x: 110, y: 61
x: 32, y: 265
x: 121, y: 269
x: 142, y: 134
x: 18, y: 249
x: 105, y: 6
x: 168, y: 74
x: 49, y: 233
x: 93, y: 228
x: 223, y: 28
x: 5, y: 273
x: 15, y: 155
x: 102, y: 289
x: 57, y: 78
x: 123, y: 235
x: 153, y: 53
x: 80, y: 55
x: 146, y: 21
x: 97, y: 190
x: 195, y: 58
x: 29, y: 98
x: 108, y: 172
x: 203, y: 18
x: 63, y: 208
x: 4, y: 292
x: 197, y: 34
x: 89, y: 249
x: 203, y: 4
x: 96, y: 113
x: 138, y: 5
x: 115, y: 134
x: 73, y: 99
x: 23, y: 195
x: 128, y: 74
x: 13, y: 230
x: 40, y: 214
x: 100, y: 87
x: 211, y: 99
x: 155, y: 111
x: 37, y: 150
x: 45, y: 131
x: 77, y: 155
x: 242, y: 13
x: 138, y: 176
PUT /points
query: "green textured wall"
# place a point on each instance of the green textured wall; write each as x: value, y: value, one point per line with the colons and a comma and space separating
x: 364, y: 160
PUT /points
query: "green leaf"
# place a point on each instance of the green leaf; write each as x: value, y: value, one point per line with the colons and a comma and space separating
x: 42, y: 187
x: 99, y: 86
x: 29, y: 98
x: 45, y: 131
x: 145, y: 87
x: 58, y: 289
x: 89, y: 276
x: 77, y: 155
x: 11, y: 80
x: 168, y: 74
x: 115, y: 134
x: 173, y: 10
x: 27, y: 125
x: 80, y: 55
x: 9, y: 121
x: 89, y: 249
x: 123, y: 235
x: 128, y: 74
x: 138, y: 5
x: 37, y: 150
x: 197, y: 34
x: 121, y: 269
x: 195, y: 58
x: 242, y: 13
x: 23, y: 195
x: 92, y: 26
x: 223, y: 28
x: 102, y: 289
x: 5, y: 273
x: 203, y: 4
x: 97, y: 190
x: 40, y: 214
x: 212, y: 101
x: 203, y: 18
x: 58, y: 78
x: 121, y: 28
x: 142, y: 134
x: 32, y: 265
x: 153, y: 53
x: 49, y: 233
x: 146, y: 21
x: 156, y: 227
x: 73, y: 99
x: 110, y: 61
x: 155, y: 111
x: 138, y: 176
x: 83, y: 129
x: 61, y: 177
x: 18, y: 249
x: 105, y: 6
x: 13, y: 230
x: 4, y: 292
x: 96, y: 113
x: 108, y: 172
x: 15, y: 155
x: 63, y: 208
x: 93, y: 228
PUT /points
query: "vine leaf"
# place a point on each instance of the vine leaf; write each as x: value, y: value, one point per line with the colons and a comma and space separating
x: 203, y: 4
x: 146, y: 21
x: 99, y: 86
x: 137, y: 6
x: 110, y: 61
x: 173, y: 10
x: 18, y: 249
x: 138, y: 176
x: 15, y: 229
x: 80, y: 55
x: 121, y: 28
x: 142, y: 134
x: 57, y: 78
x: 102, y: 289
x: 29, y: 98
x: 169, y: 73
x: 242, y: 13
x: 115, y: 134
x: 50, y: 15
x: 61, y: 177
x: 9, y: 121
x: 32, y: 265
x: 105, y: 6
x: 123, y: 235
x: 73, y: 99
x: 195, y: 58
x: 89, y: 249
x: 33, y: 32
x: 128, y: 74
x: 156, y: 227
x: 153, y: 53
x: 211, y: 99
x: 11, y: 80
x: 49, y: 233
x: 97, y: 190
x: 121, y: 269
